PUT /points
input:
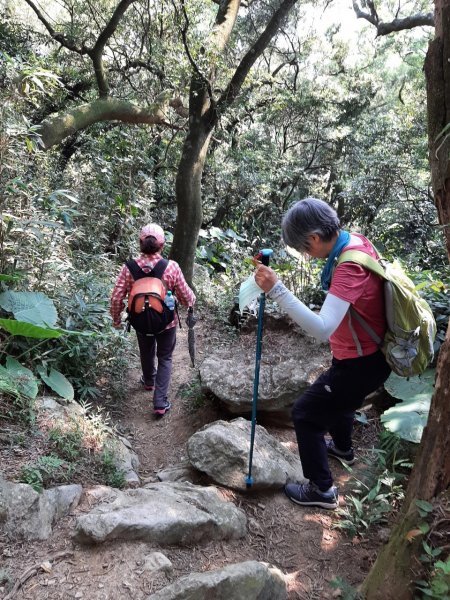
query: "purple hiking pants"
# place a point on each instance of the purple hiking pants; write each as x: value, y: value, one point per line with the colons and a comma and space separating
x: 161, y: 347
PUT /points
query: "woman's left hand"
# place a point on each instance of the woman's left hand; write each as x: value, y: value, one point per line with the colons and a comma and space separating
x: 265, y: 278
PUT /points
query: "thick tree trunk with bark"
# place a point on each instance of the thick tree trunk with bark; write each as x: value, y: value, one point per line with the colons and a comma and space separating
x: 189, y: 196
x: 392, y: 575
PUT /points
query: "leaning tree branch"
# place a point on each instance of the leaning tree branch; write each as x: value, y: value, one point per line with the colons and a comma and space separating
x: 96, y: 54
x: 57, y: 127
x: 233, y: 88
x: 385, y: 28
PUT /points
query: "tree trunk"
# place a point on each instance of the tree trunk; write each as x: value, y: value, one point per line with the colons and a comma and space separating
x: 204, y: 112
x: 392, y: 575
x: 189, y: 196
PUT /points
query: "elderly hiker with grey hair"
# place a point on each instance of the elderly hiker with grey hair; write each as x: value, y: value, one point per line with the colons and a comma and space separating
x: 358, y: 366
x: 155, y: 376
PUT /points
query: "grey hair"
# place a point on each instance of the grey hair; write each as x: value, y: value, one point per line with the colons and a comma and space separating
x: 306, y: 217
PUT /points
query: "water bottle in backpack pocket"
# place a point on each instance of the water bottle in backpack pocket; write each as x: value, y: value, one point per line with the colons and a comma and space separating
x: 170, y: 301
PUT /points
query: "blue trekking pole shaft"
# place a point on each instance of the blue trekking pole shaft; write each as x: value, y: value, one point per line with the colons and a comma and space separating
x: 264, y: 256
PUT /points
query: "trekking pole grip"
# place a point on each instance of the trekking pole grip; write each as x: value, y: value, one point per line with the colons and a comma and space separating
x: 265, y: 255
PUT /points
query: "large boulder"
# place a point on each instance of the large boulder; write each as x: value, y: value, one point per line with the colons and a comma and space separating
x: 249, y: 580
x: 27, y: 514
x: 221, y: 449
x: 163, y: 513
x: 290, y: 363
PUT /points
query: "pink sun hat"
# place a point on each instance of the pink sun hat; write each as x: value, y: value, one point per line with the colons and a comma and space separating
x: 155, y: 230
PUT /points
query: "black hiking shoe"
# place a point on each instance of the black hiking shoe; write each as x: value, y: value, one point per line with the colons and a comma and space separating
x: 347, y: 458
x: 308, y: 494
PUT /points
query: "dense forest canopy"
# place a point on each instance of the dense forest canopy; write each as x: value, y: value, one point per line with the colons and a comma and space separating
x: 322, y: 113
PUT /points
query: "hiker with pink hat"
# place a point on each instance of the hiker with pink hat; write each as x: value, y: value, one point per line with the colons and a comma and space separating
x: 155, y: 348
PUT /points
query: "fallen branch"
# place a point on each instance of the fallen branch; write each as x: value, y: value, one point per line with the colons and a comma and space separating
x: 32, y: 571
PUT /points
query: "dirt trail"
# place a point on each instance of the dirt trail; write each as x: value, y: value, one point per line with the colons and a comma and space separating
x: 301, y: 542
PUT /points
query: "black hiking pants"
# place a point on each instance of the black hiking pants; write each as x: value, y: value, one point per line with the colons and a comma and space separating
x: 329, y: 404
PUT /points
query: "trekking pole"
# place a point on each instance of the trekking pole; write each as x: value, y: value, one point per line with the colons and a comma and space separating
x: 264, y: 256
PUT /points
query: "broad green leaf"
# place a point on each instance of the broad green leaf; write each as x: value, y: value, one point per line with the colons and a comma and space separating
x: 9, y: 277
x: 7, y: 383
x: 23, y: 377
x: 407, y: 420
x: 424, y: 506
x: 28, y: 330
x: 31, y: 307
x: 57, y: 382
x: 420, y: 387
x: 409, y: 417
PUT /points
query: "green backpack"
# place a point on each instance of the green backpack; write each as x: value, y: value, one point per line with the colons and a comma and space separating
x: 408, y: 342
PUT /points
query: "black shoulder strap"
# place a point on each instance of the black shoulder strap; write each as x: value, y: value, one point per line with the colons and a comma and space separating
x: 138, y: 273
x: 159, y: 268
x: 135, y: 269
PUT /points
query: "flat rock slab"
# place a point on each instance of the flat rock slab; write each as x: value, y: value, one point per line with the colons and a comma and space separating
x: 249, y: 580
x: 221, y: 449
x: 290, y: 363
x: 164, y: 513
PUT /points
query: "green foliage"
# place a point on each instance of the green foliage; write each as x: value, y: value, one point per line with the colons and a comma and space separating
x: 30, y: 307
x: 68, y: 444
x: 346, y: 591
x: 221, y: 250
x: 44, y: 471
x: 409, y: 417
x: 29, y: 330
x: 192, y: 395
x: 114, y: 477
x: 57, y: 382
x: 437, y: 586
x: 19, y: 385
x: 435, y: 289
x: 382, y: 489
x: 424, y: 507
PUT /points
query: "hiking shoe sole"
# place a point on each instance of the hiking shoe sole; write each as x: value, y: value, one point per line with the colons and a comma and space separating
x: 160, y: 412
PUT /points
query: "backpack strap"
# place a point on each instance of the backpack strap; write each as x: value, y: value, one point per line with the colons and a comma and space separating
x: 135, y: 269
x: 363, y: 259
x: 159, y: 268
x: 371, y: 264
x: 365, y: 325
x: 138, y: 273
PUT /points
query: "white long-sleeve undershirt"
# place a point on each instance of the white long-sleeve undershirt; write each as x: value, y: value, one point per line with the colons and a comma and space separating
x: 319, y: 325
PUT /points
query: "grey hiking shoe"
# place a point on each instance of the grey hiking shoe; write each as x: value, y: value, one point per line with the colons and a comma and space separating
x: 347, y: 458
x: 308, y: 494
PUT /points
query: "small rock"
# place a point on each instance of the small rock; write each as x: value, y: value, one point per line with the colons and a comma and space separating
x: 157, y: 561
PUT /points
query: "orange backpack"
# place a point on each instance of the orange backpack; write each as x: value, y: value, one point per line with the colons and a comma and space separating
x: 147, y: 312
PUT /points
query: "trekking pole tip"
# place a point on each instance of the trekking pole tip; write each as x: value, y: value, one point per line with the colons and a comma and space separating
x: 248, y: 482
